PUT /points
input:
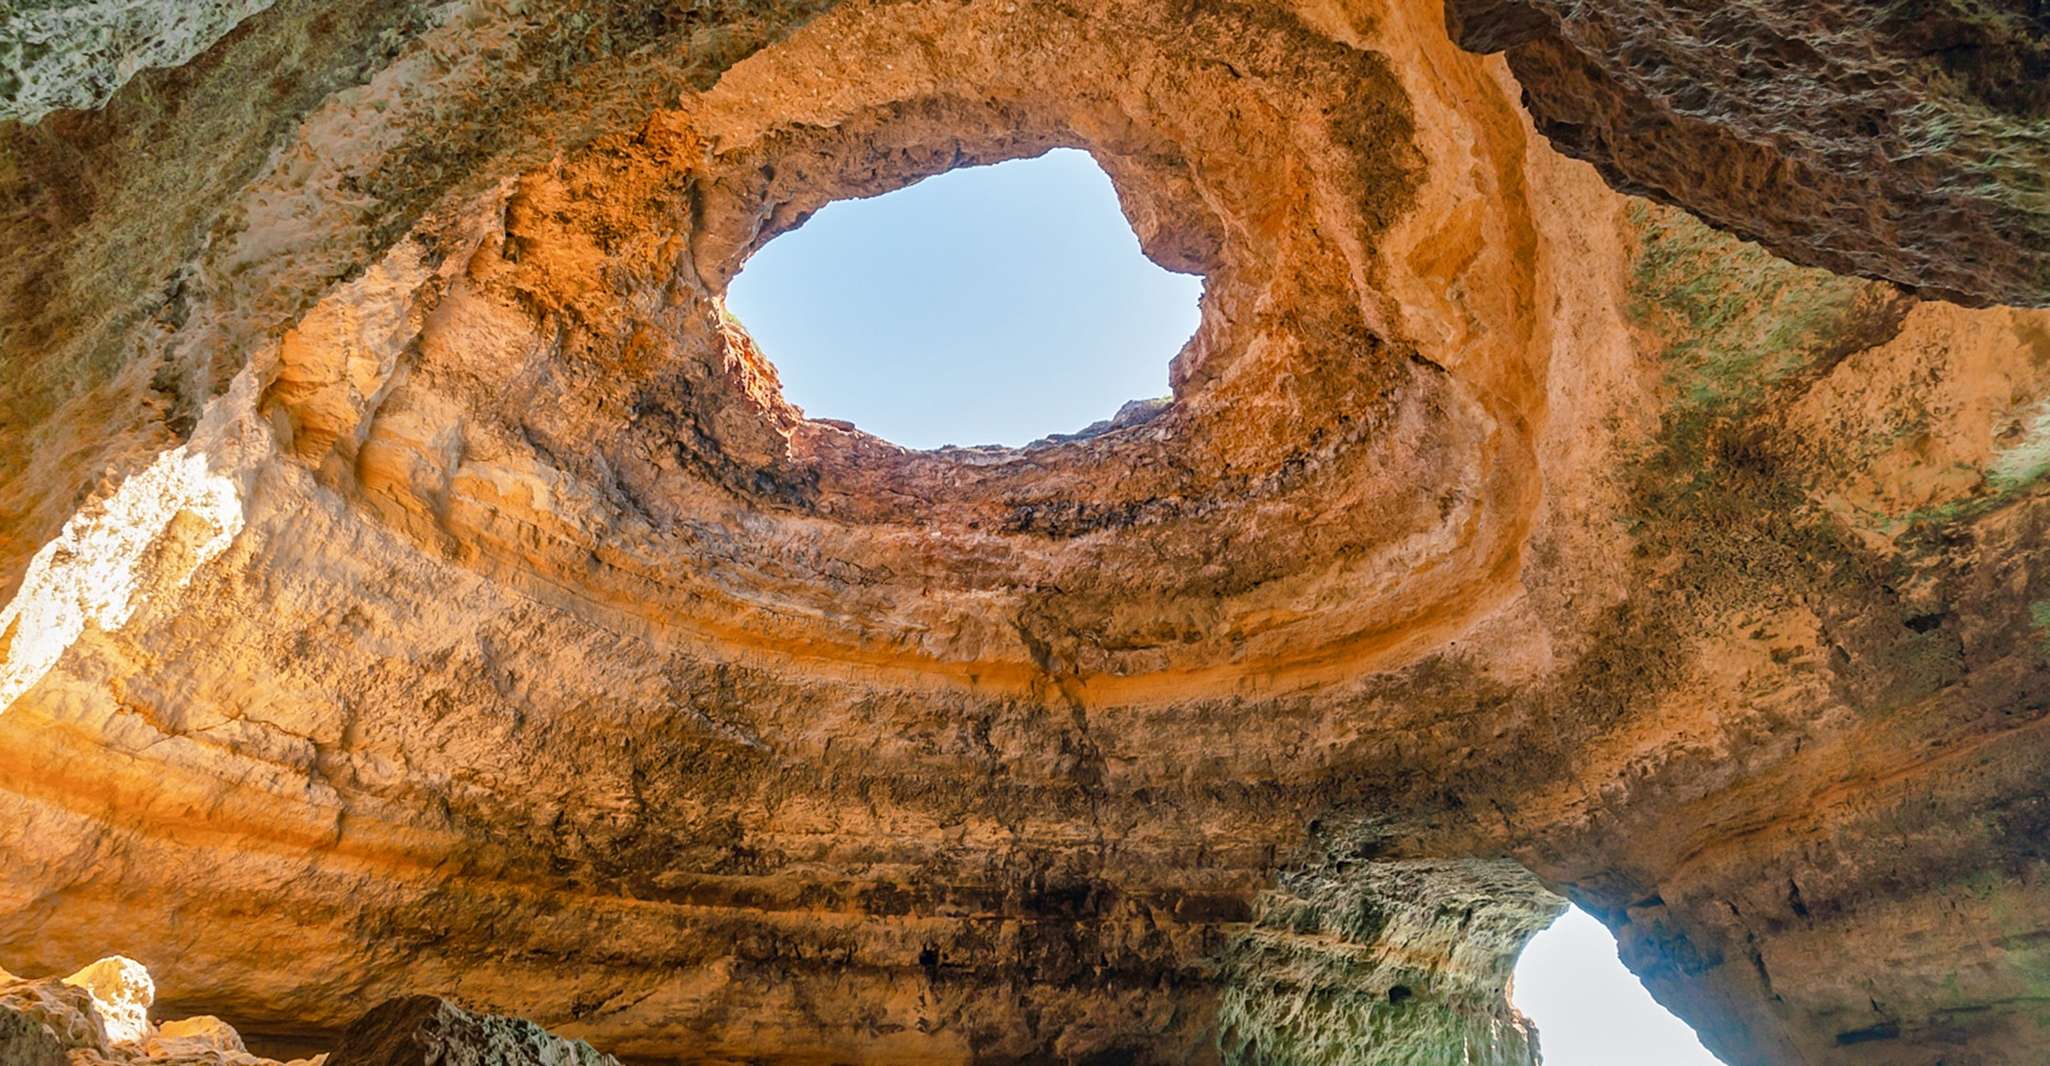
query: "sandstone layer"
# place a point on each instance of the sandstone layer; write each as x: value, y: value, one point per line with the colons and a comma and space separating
x: 1903, y: 141
x: 415, y: 580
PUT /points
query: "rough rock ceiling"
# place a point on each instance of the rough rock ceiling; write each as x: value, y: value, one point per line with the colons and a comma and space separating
x: 1901, y: 140
x: 417, y: 582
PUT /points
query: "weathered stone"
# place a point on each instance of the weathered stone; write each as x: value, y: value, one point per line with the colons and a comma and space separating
x: 1907, y: 142
x: 99, y: 1016
x: 430, y: 1031
x: 66, y: 1010
x: 415, y: 579
x: 195, y: 1037
x: 77, y: 53
x: 1401, y: 963
x: 26, y: 1041
x: 122, y: 992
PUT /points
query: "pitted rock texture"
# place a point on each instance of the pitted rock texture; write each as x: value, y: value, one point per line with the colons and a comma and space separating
x: 430, y: 1031
x: 99, y: 1016
x: 417, y: 581
x: 1397, y: 963
x: 77, y: 53
x: 1903, y: 141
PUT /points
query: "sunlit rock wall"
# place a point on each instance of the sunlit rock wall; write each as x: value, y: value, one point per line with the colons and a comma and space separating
x: 415, y: 580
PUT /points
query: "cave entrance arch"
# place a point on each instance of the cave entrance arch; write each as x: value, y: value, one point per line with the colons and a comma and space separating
x: 1589, y: 1009
x: 1378, y: 963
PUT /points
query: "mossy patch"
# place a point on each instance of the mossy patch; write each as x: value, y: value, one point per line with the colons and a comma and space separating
x: 1738, y: 330
x: 1384, y: 964
x: 1735, y: 321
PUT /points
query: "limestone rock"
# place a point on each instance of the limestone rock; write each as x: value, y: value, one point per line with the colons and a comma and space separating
x: 1409, y: 962
x: 121, y: 993
x: 99, y: 1016
x: 1906, y: 141
x: 77, y: 53
x: 430, y: 1031
x: 414, y: 578
x: 66, y: 1010
x: 26, y: 1041
x: 195, y: 1038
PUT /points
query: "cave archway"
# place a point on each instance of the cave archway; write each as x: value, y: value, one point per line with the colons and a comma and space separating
x: 550, y: 656
x: 1589, y: 1008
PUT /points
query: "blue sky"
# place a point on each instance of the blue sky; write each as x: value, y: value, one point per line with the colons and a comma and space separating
x: 1589, y: 1009
x: 996, y: 305
x: 992, y: 305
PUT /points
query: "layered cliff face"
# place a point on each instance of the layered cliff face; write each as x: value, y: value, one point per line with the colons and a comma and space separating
x: 1904, y: 141
x: 417, y: 582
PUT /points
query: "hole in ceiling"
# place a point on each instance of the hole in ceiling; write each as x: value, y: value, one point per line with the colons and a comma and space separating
x: 988, y: 305
x: 1590, y: 1010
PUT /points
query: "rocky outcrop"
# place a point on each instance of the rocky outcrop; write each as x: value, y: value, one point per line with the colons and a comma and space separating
x: 99, y: 1016
x: 415, y: 580
x: 26, y: 1041
x: 430, y: 1031
x: 1390, y: 963
x: 1899, y: 141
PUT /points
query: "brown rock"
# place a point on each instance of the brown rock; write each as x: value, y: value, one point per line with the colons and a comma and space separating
x: 26, y: 1041
x: 1904, y: 142
x: 415, y: 578
x: 430, y: 1031
x: 193, y: 1037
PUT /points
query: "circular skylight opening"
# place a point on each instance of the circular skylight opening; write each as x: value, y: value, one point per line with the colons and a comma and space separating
x: 988, y: 305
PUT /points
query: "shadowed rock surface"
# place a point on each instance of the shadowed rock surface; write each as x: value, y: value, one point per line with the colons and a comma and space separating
x: 414, y: 578
x: 1903, y: 141
x: 100, y: 1017
x: 430, y: 1031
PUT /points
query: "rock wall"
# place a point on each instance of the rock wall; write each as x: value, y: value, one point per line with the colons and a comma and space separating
x: 417, y: 581
x: 1899, y: 141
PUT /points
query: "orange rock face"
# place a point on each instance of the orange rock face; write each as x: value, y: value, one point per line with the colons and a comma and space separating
x: 416, y: 580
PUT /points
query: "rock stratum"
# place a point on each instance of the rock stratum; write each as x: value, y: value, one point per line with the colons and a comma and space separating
x: 415, y: 580
x: 1905, y: 141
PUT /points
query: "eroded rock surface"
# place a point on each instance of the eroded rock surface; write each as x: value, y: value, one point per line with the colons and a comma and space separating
x: 99, y: 1016
x: 416, y: 580
x: 77, y: 53
x: 1904, y: 141
x: 430, y: 1031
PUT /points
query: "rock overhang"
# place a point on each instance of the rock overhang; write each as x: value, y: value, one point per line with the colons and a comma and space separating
x: 1498, y: 525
